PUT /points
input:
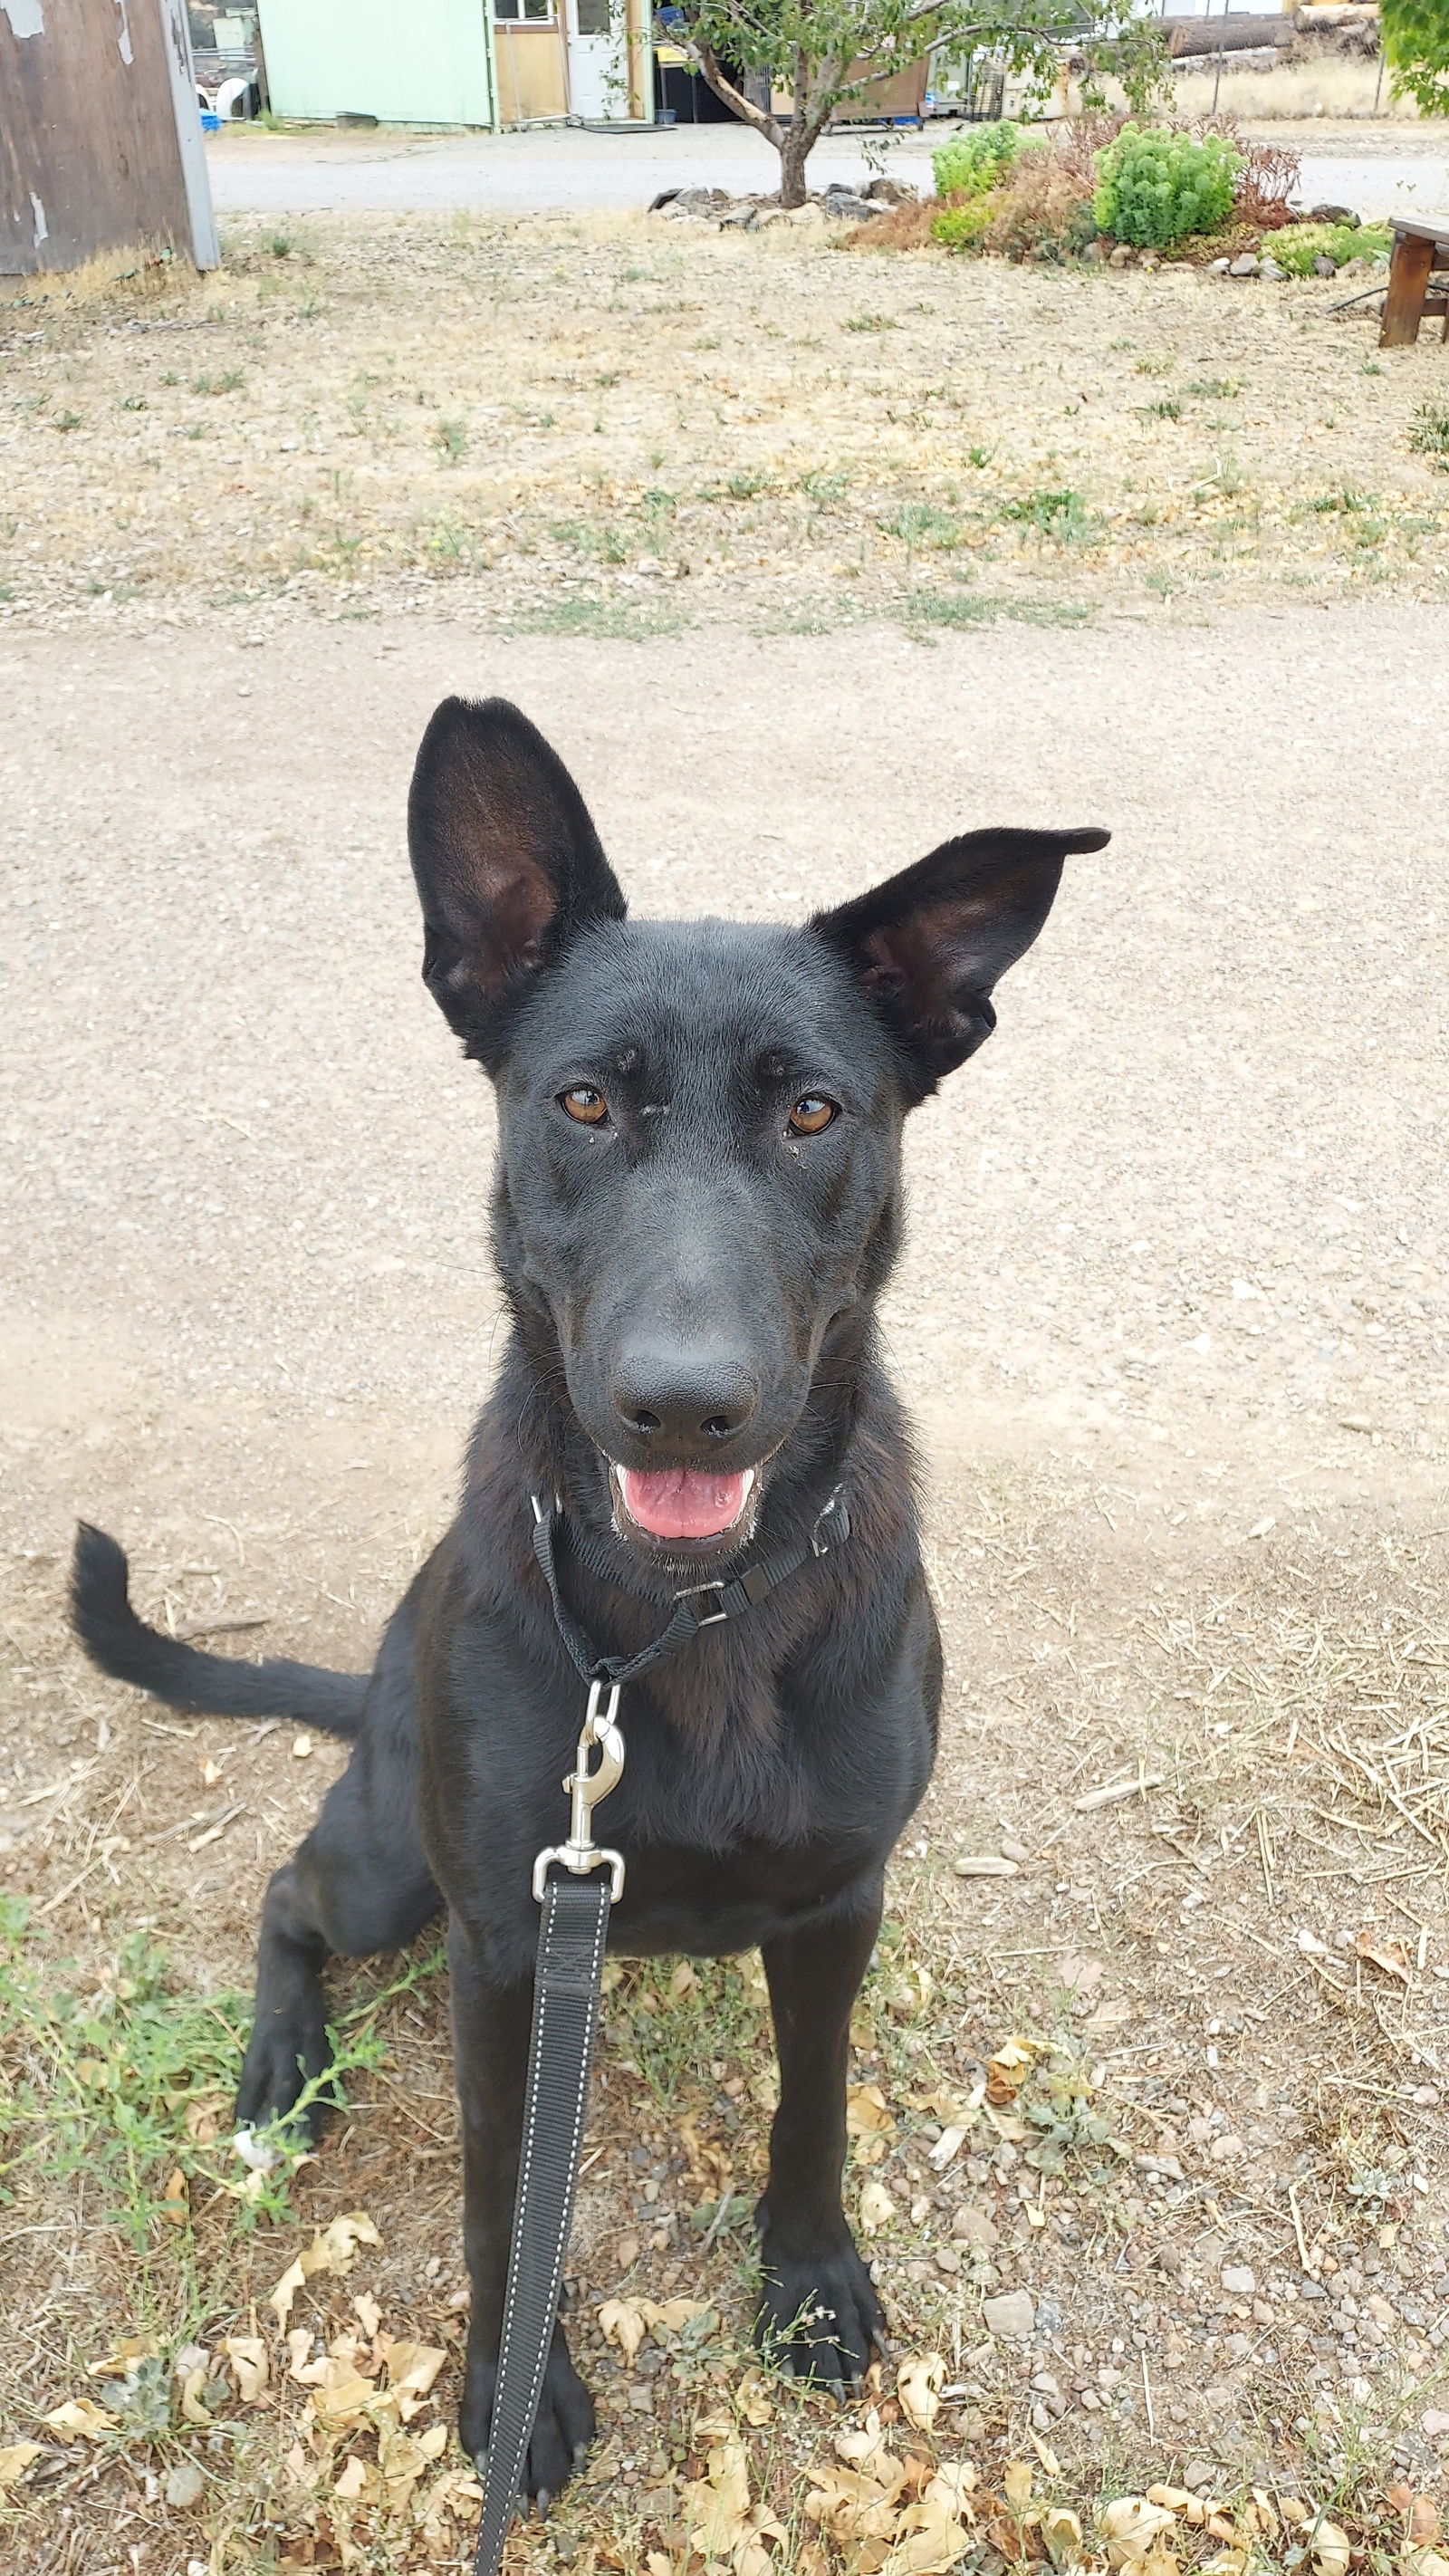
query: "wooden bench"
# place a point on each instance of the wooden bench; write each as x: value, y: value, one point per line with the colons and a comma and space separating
x: 1418, y: 282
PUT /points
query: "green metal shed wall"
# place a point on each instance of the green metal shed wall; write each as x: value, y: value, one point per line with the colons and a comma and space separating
x: 422, y: 62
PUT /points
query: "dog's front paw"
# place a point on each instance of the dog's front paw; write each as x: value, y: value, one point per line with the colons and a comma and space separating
x: 818, y: 2314
x: 562, y: 2431
x: 288, y: 2051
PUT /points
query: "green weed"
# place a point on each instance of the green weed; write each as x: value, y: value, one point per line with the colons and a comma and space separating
x: 1062, y: 516
x: 921, y: 524
x: 231, y: 382
x: 870, y: 322
x: 1429, y: 433
x: 971, y: 608
x: 451, y: 433
x: 129, y: 2079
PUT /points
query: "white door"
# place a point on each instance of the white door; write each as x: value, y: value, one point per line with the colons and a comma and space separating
x: 598, y: 60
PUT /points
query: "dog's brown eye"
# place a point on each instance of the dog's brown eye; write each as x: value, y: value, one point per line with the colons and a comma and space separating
x: 811, y: 1113
x: 585, y: 1104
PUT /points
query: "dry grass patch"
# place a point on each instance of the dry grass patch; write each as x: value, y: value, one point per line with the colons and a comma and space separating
x: 588, y: 425
x: 1153, y: 2049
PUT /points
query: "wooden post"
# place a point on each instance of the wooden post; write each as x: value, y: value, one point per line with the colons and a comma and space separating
x: 100, y: 136
x: 1408, y: 276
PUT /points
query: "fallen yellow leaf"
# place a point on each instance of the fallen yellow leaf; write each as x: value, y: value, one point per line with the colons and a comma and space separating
x: 124, y: 2354
x: 81, y: 2420
x: 342, y: 2394
x: 621, y: 2322
x: 877, y: 2209
x: 1061, y: 2533
x: 333, y: 2249
x: 1130, y: 2526
x: 1331, y: 2549
x: 919, y: 2382
x: 411, y: 2370
x: 866, y: 2111
x: 248, y: 2357
x: 15, y: 2459
x: 175, y: 2207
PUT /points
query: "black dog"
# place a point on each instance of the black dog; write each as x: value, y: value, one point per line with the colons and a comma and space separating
x: 696, y: 1204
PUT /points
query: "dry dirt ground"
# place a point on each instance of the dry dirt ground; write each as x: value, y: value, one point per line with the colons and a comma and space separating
x: 615, y: 424
x: 1168, y: 2079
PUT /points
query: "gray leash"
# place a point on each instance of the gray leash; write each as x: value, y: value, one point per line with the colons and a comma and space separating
x: 576, y: 1882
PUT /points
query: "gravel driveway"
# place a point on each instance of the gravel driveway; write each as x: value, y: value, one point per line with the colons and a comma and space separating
x: 1197, y: 1179
x: 396, y: 172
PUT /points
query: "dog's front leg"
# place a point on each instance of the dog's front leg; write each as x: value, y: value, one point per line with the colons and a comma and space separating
x: 491, y: 2024
x: 819, y: 2314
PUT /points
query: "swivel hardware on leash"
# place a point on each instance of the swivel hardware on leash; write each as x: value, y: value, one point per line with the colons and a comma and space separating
x: 581, y: 1853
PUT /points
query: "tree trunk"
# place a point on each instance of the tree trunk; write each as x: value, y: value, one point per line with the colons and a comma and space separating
x: 795, y: 147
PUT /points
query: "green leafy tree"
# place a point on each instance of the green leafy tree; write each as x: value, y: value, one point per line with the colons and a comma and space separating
x: 825, y: 53
x: 1416, y: 46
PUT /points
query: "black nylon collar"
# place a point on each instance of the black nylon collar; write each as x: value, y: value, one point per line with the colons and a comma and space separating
x: 698, y: 1605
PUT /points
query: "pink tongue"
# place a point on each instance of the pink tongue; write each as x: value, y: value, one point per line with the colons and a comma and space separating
x: 682, y: 1502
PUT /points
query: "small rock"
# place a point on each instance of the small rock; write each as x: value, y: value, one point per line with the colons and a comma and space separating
x: 1238, y: 2280
x: 1332, y: 215
x: 1219, y: 267
x: 770, y: 215
x: 842, y: 206
x: 974, y: 2228
x: 1323, y: 266
x: 184, y: 2484
x: 739, y: 219
x: 948, y: 2260
x: 1011, y: 2316
x: 1245, y: 265
x: 1269, y: 268
x: 626, y: 2252
x: 1355, y: 1422
x: 1013, y: 1850
x: 1121, y: 257
x: 1379, y: 2309
x: 1150, y: 262
x: 1262, y: 2313
x: 1198, y: 2474
x: 893, y: 192
x: 1092, y: 255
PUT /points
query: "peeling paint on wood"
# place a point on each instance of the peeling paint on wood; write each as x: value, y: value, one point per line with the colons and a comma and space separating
x: 100, y: 139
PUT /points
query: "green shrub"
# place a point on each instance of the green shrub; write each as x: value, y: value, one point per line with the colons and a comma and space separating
x: 1299, y: 245
x: 973, y: 162
x: 1153, y: 188
x: 963, y: 227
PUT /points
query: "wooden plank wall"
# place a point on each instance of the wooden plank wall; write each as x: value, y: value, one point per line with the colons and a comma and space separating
x: 100, y: 147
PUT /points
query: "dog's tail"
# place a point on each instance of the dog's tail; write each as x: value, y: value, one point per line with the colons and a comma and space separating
x: 216, y: 1685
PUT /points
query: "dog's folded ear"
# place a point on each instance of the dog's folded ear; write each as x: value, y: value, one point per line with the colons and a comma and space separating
x: 507, y: 862
x: 929, y: 944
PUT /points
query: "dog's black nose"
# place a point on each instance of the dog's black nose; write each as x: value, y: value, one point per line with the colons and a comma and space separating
x: 684, y: 1397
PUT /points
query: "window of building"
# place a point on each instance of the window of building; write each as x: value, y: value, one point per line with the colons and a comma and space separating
x: 513, y: 11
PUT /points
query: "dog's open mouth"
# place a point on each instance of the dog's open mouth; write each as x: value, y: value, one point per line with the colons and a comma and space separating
x: 685, y: 1504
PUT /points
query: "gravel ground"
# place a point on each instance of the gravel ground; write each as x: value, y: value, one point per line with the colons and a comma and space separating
x: 1173, y: 1320
x: 1395, y: 170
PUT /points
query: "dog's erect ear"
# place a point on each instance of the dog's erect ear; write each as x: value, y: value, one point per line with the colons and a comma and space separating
x: 507, y: 862
x: 929, y: 944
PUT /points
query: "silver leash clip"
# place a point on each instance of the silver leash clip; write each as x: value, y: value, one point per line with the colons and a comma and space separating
x: 581, y: 1854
